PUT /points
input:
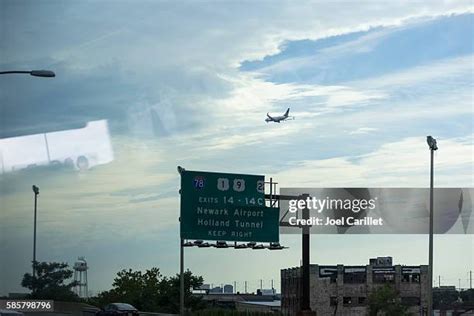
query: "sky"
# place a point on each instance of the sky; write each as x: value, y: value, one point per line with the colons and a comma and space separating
x: 189, y: 84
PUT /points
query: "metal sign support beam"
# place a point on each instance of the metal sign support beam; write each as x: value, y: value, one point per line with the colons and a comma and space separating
x: 305, y: 301
x: 181, y: 278
x: 305, y: 304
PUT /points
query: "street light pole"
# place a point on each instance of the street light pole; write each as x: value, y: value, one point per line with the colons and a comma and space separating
x: 35, y: 73
x: 433, y: 146
x: 181, y: 279
x: 36, y: 192
x: 44, y: 74
x: 181, y: 170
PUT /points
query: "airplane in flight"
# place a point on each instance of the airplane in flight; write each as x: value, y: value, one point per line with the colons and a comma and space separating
x: 278, y: 119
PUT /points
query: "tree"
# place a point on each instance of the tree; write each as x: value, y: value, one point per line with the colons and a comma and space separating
x: 150, y: 291
x: 441, y: 298
x: 50, y: 282
x: 386, y: 301
x: 142, y: 290
x: 467, y: 296
x: 192, y: 302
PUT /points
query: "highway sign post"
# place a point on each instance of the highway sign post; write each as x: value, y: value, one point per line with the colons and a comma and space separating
x: 224, y: 207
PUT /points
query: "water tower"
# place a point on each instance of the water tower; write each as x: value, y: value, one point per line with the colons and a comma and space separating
x: 80, y: 276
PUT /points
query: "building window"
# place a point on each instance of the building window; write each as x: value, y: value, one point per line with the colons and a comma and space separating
x: 347, y: 300
x: 362, y: 300
x: 411, y: 301
x: 328, y: 272
x: 333, y: 301
x: 355, y: 278
x: 411, y: 278
x: 384, y: 278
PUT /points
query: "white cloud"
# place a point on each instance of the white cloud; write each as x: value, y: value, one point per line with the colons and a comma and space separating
x: 437, y: 72
x: 404, y: 163
x: 421, y: 92
x: 156, y: 34
x: 363, y: 130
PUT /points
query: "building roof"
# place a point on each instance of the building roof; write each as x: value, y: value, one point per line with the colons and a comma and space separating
x: 263, y: 303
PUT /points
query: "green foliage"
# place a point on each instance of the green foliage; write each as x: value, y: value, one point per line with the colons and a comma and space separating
x: 151, y: 291
x: 50, y: 282
x: 467, y: 296
x: 444, y: 298
x: 192, y: 302
x: 141, y: 290
x: 386, y: 301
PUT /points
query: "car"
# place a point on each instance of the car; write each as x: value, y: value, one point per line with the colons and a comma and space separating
x: 118, y: 309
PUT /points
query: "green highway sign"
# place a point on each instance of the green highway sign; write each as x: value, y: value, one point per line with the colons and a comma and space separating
x: 225, y: 206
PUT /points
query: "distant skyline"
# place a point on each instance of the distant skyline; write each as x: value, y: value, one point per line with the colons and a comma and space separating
x: 190, y: 83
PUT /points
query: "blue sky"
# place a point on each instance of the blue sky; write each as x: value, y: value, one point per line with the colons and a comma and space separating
x: 190, y: 84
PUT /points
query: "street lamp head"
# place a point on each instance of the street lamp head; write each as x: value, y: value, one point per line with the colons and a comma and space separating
x: 432, y: 143
x: 36, y: 189
x: 43, y: 73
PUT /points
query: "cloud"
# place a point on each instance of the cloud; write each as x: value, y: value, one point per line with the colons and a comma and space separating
x: 382, y: 167
x: 154, y: 75
x: 363, y: 130
x: 420, y: 93
x: 435, y: 72
x: 371, y: 53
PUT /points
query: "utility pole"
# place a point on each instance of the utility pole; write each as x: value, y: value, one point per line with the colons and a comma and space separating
x: 470, y: 279
x: 245, y: 287
x: 235, y: 287
x: 439, y: 281
x: 261, y: 284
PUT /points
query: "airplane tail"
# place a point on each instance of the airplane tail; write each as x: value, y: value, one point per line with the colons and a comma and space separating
x: 269, y: 118
x: 287, y: 112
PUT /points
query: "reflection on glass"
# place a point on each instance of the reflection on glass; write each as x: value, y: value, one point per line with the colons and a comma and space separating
x: 81, y: 148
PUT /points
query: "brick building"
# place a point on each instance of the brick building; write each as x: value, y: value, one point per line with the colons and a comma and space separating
x: 344, y: 290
